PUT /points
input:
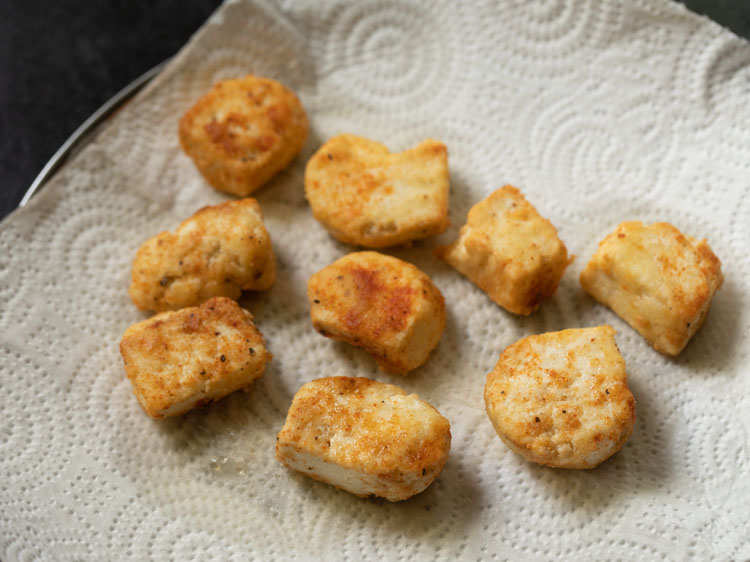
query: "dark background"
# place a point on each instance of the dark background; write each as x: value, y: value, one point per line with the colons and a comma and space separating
x: 60, y: 60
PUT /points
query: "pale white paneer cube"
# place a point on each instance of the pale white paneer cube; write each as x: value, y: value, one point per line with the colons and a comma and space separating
x: 509, y: 251
x: 179, y: 360
x: 380, y: 303
x: 561, y: 399
x: 365, y: 195
x: 365, y: 437
x: 658, y: 280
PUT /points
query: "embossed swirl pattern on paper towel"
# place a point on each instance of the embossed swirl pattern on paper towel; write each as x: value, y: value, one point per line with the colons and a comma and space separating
x: 599, y: 111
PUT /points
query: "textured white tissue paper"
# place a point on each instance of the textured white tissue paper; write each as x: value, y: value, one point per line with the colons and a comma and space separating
x: 600, y: 111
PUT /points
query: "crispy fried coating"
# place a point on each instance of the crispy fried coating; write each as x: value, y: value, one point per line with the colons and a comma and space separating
x: 179, y: 360
x: 380, y: 303
x: 561, y: 399
x: 509, y: 251
x: 658, y: 280
x: 243, y: 132
x: 365, y: 195
x: 365, y: 437
x: 219, y: 251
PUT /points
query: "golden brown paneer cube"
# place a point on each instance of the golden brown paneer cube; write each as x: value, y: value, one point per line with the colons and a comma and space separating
x: 219, y: 251
x: 243, y: 132
x: 658, y: 280
x: 380, y: 303
x: 561, y: 399
x: 179, y: 360
x: 365, y: 437
x: 365, y: 195
x: 511, y: 252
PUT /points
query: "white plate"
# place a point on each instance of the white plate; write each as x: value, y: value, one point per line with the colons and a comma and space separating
x: 600, y: 111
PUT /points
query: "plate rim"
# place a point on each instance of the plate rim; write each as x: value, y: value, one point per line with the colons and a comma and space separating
x: 84, y: 129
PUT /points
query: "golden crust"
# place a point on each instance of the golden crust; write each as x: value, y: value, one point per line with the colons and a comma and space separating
x: 509, y: 251
x: 219, y: 251
x: 185, y: 359
x: 367, y: 196
x: 383, y: 304
x: 657, y: 280
x: 561, y: 399
x: 243, y: 132
x: 363, y: 436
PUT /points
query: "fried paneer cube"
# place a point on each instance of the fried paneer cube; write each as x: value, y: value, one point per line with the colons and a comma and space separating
x: 511, y: 252
x: 179, y: 360
x: 561, y: 399
x: 658, y: 280
x: 380, y: 303
x: 365, y: 195
x: 219, y: 251
x: 243, y: 132
x: 365, y: 437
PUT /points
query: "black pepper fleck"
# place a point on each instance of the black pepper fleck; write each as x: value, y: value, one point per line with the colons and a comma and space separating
x: 223, y: 358
x: 423, y: 472
x: 537, y: 420
x: 252, y: 351
x: 606, y: 391
x: 164, y: 281
x: 316, y: 301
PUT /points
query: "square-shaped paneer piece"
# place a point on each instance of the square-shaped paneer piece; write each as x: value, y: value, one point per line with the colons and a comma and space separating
x: 365, y: 437
x: 510, y: 251
x: 220, y: 251
x: 561, y: 399
x: 658, y: 280
x: 185, y: 359
x: 380, y: 303
x: 365, y: 195
x: 243, y: 132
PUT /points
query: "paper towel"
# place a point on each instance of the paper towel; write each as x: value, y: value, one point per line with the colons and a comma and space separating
x: 599, y: 111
